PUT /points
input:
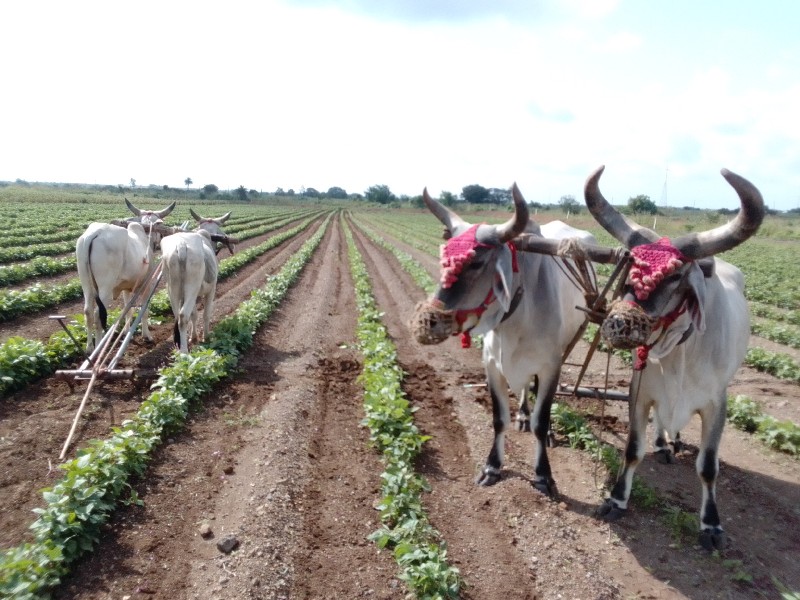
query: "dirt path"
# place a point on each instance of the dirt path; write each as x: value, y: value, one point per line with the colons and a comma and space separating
x: 277, y: 458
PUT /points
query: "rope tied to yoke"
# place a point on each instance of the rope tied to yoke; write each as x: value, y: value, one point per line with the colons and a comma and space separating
x: 577, y: 266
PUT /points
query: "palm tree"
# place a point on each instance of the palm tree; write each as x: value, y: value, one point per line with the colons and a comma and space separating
x: 188, y: 181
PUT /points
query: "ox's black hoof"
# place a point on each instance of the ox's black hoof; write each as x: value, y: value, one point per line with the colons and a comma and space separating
x: 524, y: 425
x: 489, y: 476
x: 551, y: 440
x: 545, y: 485
x: 677, y: 446
x: 713, y: 539
x: 664, y: 456
x: 610, y: 512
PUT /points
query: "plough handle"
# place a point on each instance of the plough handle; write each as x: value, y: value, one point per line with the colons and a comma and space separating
x: 598, y: 254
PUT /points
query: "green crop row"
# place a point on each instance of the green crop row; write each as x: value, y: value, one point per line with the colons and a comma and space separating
x: 778, y: 364
x: 745, y: 414
x: 418, y: 273
x: 405, y: 528
x: 23, y: 360
x: 41, y: 266
x: 77, y: 506
x: 14, y: 303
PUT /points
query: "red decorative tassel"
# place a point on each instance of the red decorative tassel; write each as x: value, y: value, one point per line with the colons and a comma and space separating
x: 641, y: 357
x: 466, y: 340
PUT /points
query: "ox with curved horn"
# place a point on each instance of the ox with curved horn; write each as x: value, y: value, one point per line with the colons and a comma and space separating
x: 525, y: 306
x: 149, y: 217
x: 684, y: 314
x: 214, y: 227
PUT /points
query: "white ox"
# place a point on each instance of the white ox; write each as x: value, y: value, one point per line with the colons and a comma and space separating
x: 525, y: 306
x: 686, y: 314
x: 190, y: 267
x: 113, y: 260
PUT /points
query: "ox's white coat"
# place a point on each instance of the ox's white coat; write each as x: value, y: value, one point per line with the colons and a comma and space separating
x: 111, y: 260
x: 190, y: 267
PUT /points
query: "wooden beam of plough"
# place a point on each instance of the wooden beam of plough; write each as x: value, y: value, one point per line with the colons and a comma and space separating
x: 101, y: 363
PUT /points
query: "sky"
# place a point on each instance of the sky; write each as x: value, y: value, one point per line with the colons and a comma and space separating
x: 407, y: 93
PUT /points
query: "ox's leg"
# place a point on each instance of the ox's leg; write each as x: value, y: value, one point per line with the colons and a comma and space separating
x: 524, y: 412
x: 145, y: 329
x: 208, y: 311
x: 542, y: 476
x: 638, y: 409
x: 663, y: 452
x: 501, y: 417
x: 665, y: 449
x: 712, y: 537
x: 92, y: 319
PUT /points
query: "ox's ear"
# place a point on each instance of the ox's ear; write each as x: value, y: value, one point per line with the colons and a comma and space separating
x: 696, y: 297
x: 503, y: 276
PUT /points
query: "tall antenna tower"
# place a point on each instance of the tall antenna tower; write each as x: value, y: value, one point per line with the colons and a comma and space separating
x: 664, y: 201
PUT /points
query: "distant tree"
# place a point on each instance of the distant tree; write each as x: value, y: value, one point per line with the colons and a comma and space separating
x: 475, y: 194
x: 133, y: 183
x: 446, y: 198
x: 642, y: 204
x: 241, y: 194
x: 794, y: 211
x: 279, y: 192
x: 337, y: 193
x: 210, y: 189
x: 165, y: 187
x: 290, y: 192
x: 380, y: 194
x: 188, y: 181
x: 499, y: 196
x: 569, y: 205
x: 310, y: 193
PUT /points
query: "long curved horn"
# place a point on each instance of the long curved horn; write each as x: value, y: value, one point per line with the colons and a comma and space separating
x: 165, y: 211
x: 707, y: 243
x: 197, y: 217
x: 516, y: 224
x: 628, y: 232
x: 132, y: 208
x: 450, y: 219
x: 223, y: 218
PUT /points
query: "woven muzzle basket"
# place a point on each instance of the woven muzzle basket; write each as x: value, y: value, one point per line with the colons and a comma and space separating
x: 431, y: 324
x: 627, y: 325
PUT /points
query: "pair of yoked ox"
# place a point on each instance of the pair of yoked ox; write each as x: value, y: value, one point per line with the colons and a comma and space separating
x: 682, y: 310
x: 113, y: 260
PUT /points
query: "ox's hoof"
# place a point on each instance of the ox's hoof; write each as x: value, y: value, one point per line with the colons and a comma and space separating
x: 665, y: 456
x: 545, y: 485
x: 712, y: 539
x: 489, y: 476
x: 610, y: 512
x: 551, y: 440
x: 524, y: 425
x: 677, y: 446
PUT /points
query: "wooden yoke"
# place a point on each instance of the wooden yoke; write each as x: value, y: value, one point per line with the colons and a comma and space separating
x: 164, y: 231
x: 570, y: 248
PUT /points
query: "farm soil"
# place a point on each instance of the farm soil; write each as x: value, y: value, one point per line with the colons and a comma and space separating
x: 277, y: 459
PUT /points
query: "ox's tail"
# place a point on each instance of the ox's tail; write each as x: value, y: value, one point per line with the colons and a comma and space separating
x: 101, y: 309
